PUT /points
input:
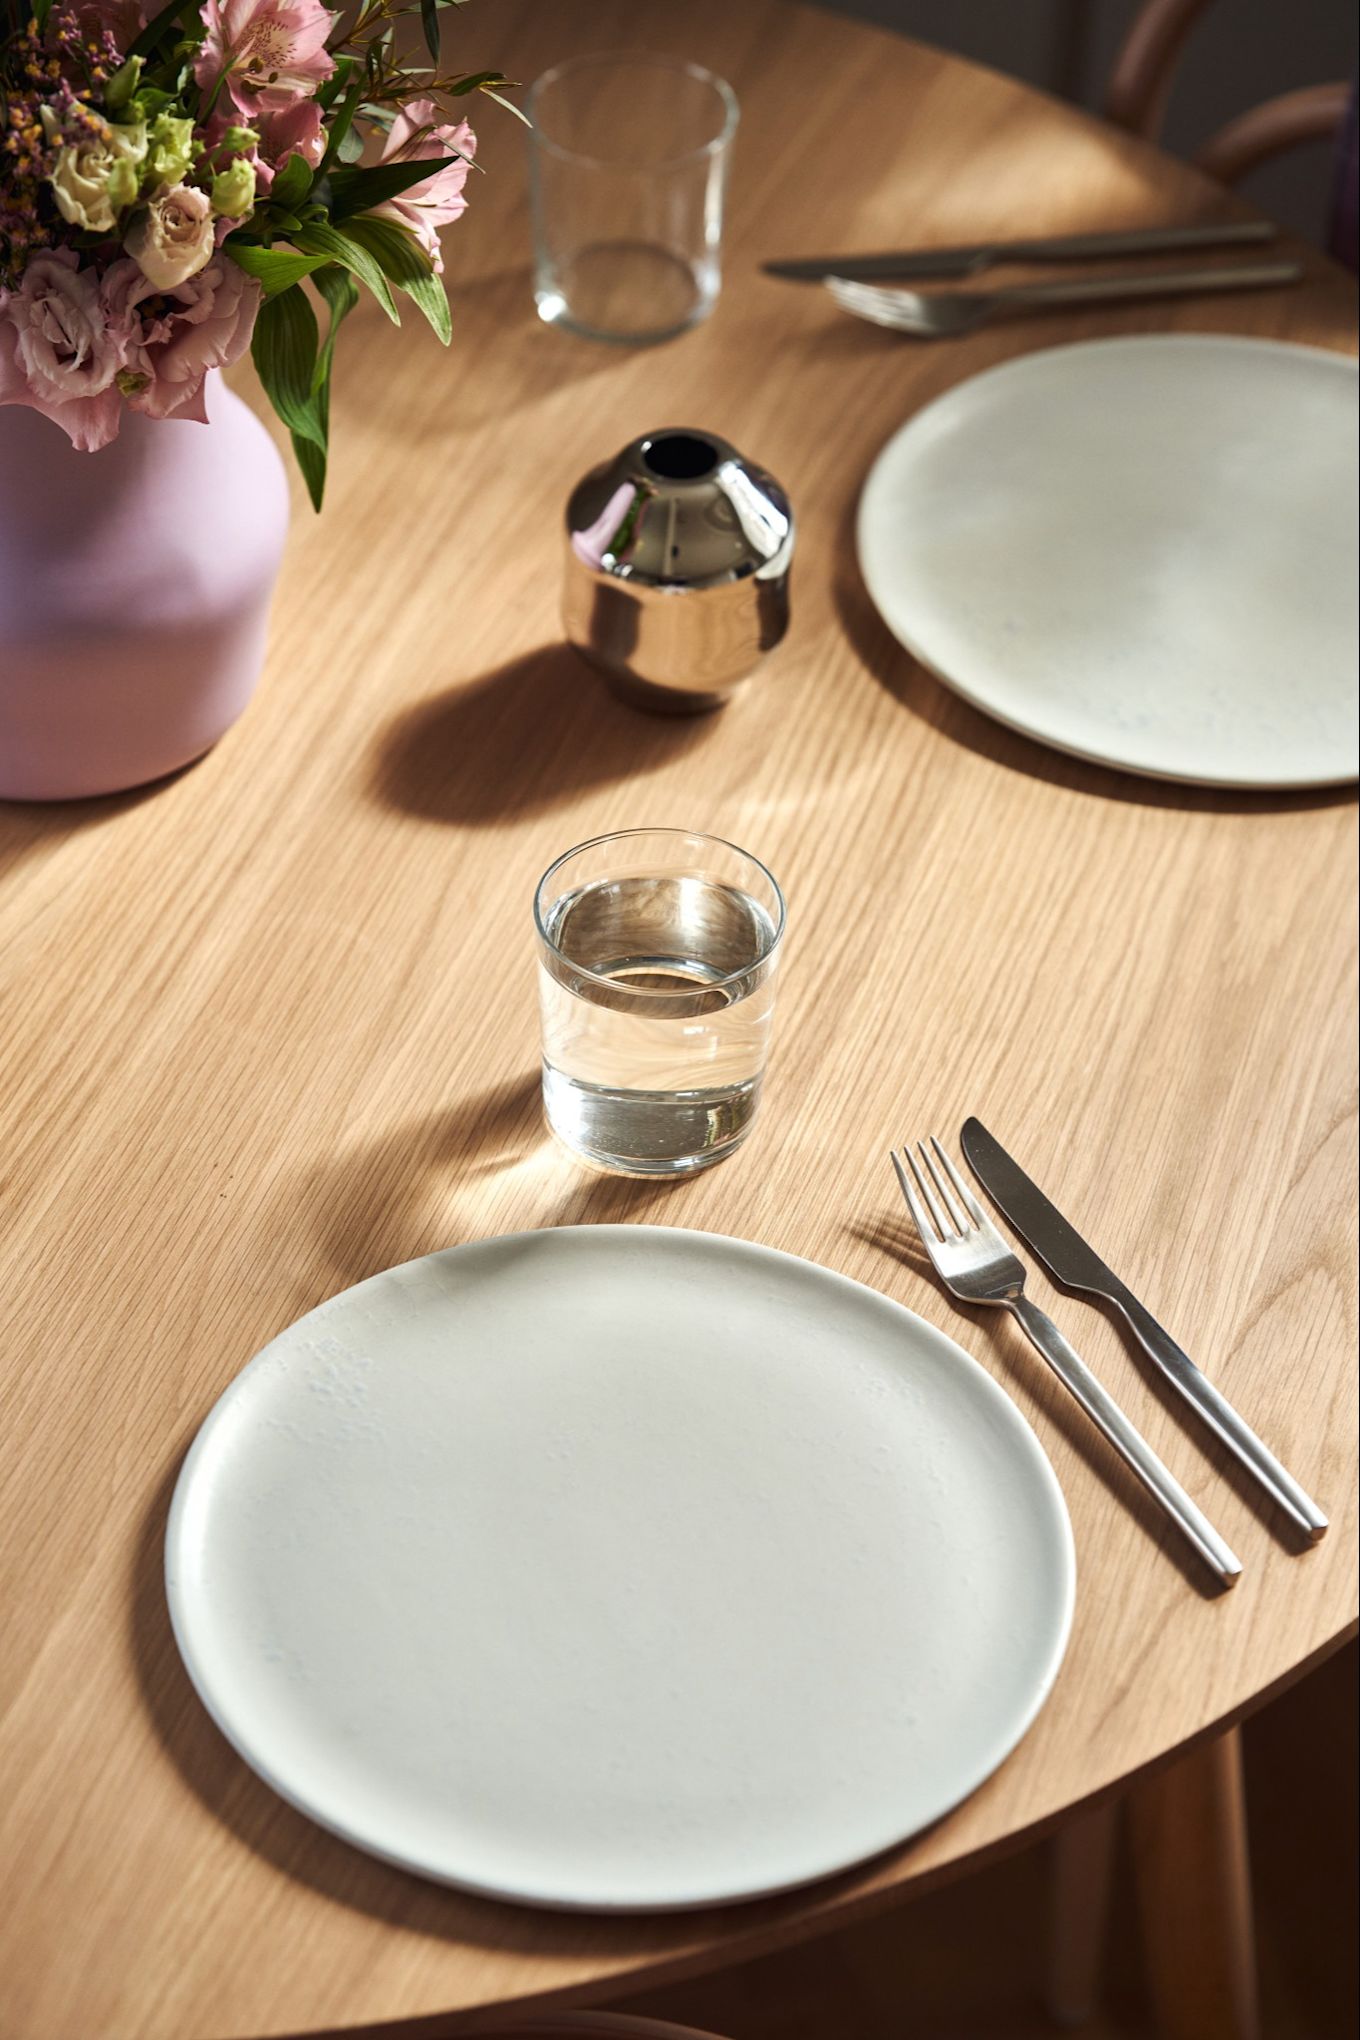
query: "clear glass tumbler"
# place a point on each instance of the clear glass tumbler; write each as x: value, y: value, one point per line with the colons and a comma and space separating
x: 629, y: 158
x: 657, y: 957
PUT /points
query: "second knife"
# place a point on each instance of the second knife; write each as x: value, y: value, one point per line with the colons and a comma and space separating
x: 907, y: 265
x: 1077, y: 1266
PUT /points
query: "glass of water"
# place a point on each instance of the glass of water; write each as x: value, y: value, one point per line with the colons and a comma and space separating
x: 657, y: 954
x: 629, y: 158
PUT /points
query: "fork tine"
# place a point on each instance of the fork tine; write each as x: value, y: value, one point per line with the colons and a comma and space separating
x: 923, y: 1225
x: 865, y: 301
x: 960, y: 1223
x: 970, y: 1203
x: 923, y: 1185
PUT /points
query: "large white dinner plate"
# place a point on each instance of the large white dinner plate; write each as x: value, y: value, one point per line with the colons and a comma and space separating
x: 1142, y: 551
x: 619, y: 1566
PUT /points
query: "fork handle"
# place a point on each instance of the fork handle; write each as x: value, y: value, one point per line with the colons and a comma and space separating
x: 1131, y: 1446
x: 1166, y: 283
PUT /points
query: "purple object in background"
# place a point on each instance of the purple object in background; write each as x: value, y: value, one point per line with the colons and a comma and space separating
x: 134, y: 594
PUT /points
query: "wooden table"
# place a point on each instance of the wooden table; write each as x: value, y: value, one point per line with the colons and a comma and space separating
x: 270, y: 1027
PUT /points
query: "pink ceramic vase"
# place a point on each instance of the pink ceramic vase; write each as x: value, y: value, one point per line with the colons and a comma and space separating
x: 134, y: 594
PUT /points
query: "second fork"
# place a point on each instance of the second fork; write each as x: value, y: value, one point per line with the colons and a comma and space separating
x: 940, y: 315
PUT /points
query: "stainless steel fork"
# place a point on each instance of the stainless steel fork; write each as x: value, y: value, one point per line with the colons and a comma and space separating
x: 973, y: 1261
x: 940, y: 315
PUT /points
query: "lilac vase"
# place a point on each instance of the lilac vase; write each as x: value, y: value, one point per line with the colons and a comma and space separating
x: 134, y: 594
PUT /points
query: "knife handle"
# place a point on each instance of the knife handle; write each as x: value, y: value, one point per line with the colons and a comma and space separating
x: 1144, y: 241
x: 1221, y: 1417
x: 1131, y: 1446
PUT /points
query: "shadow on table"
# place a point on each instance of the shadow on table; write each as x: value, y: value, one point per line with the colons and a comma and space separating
x: 519, y: 362
x: 917, y: 689
x: 1017, y: 1356
x: 394, y: 1198
x: 387, y: 1200
x: 521, y: 740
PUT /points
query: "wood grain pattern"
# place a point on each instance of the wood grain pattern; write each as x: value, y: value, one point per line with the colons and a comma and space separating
x: 270, y: 1027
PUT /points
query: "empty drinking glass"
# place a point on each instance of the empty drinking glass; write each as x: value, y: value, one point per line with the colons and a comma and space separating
x: 657, y: 959
x: 629, y: 156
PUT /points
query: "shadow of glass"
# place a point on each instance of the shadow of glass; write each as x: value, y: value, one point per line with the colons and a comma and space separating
x: 522, y: 740
x: 520, y: 362
x: 395, y: 1198
x: 384, y: 1201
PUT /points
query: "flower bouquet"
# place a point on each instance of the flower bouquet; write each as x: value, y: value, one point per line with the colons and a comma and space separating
x: 176, y: 188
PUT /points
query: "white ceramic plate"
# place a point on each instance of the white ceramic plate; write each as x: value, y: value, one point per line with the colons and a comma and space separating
x: 1142, y: 551
x: 619, y: 1566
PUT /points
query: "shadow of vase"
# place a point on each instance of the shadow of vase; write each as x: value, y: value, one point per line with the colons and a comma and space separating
x: 521, y: 740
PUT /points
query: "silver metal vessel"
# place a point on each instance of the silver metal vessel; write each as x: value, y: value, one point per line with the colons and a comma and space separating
x: 677, y: 575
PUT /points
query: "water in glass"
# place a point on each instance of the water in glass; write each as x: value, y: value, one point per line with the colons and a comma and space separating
x: 657, y: 993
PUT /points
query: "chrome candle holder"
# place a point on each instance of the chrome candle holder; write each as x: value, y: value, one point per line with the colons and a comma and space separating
x: 677, y: 574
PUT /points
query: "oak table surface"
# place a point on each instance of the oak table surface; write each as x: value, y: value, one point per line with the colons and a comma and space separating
x: 270, y: 1027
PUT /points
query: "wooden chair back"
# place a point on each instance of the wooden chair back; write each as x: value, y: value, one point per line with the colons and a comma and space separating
x: 1144, y: 73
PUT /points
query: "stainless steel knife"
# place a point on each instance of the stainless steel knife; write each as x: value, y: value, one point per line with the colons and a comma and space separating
x: 1070, y: 1261
x: 1048, y: 248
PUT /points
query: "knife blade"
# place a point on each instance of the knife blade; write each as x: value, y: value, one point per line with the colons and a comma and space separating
x: 1070, y: 1261
x: 967, y: 261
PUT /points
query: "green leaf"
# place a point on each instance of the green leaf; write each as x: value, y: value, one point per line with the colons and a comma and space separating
x: 336, y: 83
x: 41, y: 10
x: 311, y: 458
x: 429, y: 21
x: 404, y: 262
x: 476, y: 81
x: 341, y: 124
x: 341, y: 293
x: 350, y: 147
x: 508, y: 104
x: 356, y: 191
x: 150, y: 101
x: 292, y: 184
x: 284, y: 350
x: 338, y: 244
x: 278, y: 269
x: 143, y: 44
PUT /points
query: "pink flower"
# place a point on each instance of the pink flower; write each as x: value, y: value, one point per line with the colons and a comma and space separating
x: 294, y: 131
x: 172, y: 238
x: 57, y: 352
x: 271, y: 52
x: 591, y: 545
x: 170, y: 339
x: 437, y: 199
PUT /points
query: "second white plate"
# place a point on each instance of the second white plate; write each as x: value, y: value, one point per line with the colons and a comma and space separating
x: 1141, y: 551
x: 619, y: 1566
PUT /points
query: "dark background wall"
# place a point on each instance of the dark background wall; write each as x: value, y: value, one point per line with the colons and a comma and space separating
x: 1241, y: 52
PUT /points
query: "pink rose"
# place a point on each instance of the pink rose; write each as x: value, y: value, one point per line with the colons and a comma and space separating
x: 172, y: 237
x: 436, y: 200
x: 57, y: 352
x: 271, y: 52
x: 169, y: 346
